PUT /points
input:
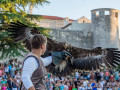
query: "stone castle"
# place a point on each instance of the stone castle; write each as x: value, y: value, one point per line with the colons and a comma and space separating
x: 101, y: 31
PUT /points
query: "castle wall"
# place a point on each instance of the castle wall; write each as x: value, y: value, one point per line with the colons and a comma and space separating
x: 79, y: 39
x: 81, y: 26
x: 105, y: 28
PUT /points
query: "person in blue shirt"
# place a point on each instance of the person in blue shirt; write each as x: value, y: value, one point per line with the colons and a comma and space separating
x: 62, y: 86
x: 10, y: 68
x: 93, y: 85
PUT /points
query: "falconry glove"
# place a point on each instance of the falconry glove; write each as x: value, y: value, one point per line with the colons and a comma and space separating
x: 58, y: 57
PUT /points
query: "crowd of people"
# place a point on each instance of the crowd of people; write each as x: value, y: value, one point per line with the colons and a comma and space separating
x: 10, y: 75
x: 107, y: 79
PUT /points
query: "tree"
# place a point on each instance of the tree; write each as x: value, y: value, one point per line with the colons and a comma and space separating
x: 12, y: 11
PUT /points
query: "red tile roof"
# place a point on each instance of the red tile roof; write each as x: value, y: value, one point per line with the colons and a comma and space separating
x: 54, y: 17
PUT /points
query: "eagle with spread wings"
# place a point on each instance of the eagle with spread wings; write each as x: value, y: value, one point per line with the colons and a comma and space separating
x: 82, y: 59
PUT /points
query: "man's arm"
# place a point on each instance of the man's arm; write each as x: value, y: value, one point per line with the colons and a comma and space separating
x: 47, y: 60
x: 30, y: 65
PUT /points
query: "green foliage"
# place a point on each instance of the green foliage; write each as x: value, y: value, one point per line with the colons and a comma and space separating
x: 32, y: 17
x: 8, y: 48
x: 14, y: 5
x: 12, y: 11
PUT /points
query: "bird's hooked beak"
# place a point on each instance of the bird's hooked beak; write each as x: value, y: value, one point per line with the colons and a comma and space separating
x: 67, y: 46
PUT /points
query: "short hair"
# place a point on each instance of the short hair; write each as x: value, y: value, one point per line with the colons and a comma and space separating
x: 37, y: 40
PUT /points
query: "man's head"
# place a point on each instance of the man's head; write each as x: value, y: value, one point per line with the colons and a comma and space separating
x: 39, y: 42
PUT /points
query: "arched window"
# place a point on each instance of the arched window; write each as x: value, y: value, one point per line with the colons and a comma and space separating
x: 116, y: 14
x: 83, y: 21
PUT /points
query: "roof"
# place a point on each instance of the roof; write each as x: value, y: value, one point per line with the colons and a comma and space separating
x: 82, y: 18
x: 66, y: 26
x: 54, y: 17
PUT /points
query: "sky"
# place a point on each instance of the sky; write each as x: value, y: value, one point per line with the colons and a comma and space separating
x: 74, y: 9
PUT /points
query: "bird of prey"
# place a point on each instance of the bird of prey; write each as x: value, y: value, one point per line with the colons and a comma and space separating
x: 82, y: 59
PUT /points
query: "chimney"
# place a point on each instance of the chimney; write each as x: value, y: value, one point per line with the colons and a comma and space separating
x: 66, y: 21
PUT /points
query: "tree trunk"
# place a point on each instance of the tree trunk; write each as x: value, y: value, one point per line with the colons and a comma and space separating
x: 30, y: 9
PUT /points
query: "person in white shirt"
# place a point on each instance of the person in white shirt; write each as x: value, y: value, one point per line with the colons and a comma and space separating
x: 33, y: 64
x: 102, y: 82
x: 51, y: 79
x: 88, y: 87
x: 82, y: 87
x: 66, y: 86
x: 6, y: 70
x: 99, y: 87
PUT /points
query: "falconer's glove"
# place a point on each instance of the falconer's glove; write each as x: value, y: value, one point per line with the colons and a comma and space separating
x: 58, y: 57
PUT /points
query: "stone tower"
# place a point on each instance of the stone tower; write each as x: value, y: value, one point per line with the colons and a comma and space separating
x: 105, y: 28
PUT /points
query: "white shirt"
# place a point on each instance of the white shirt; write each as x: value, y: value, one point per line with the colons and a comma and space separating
x: 20, y: 66
x: 81, y: 88
x: 65, y: 87
x: 6, y: 69
x: 89, y: 88
x: 30, y: 65
x: 99, y: 88
x: 51, y: 80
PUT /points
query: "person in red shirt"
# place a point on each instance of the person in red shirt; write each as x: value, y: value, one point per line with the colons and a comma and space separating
x: 107, y: 75
x: 1, y: 72
x: 112, y: 78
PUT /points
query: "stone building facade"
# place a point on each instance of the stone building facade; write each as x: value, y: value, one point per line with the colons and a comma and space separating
x: 53, y: 22
x: 101, y: 31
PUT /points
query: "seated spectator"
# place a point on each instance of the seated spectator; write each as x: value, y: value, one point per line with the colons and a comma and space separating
x: 51, y: 87
x: 74, y: 87
x: 88, y: 76
x: 9, y: 83
x: 92, y: 75
x: 4, y: 87
x: 93, y: 85
x: 71, y: 85
x: 13, y: 71
x: 99, y: 87
x: 3, y: 81
x: 66, y: 87
x: 76, y: 75
x: 112, y: 78
x: 6, y: 70
x: 88, y: 87
x: 62, y: 86
x: 47, y: 84
x: 118, y: 87
x: 107, y: 75
x: 81, y: 87
x: 14, y: 84
x: 1, y: 72
x: 85, y: 82
x: 76, y: 83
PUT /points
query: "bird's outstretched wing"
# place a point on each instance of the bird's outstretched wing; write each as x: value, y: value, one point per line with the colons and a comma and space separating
x: 21, y: 32
x: 82, y: 59
x: 87, y: 60
x: 95, y: 59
